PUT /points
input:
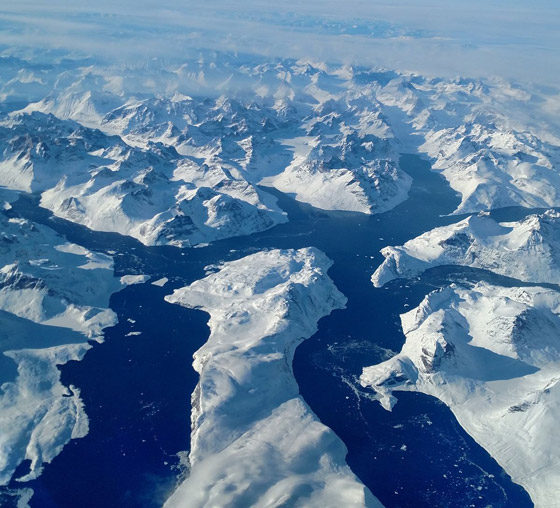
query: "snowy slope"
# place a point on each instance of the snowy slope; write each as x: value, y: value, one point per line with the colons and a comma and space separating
x: 528, y: 250
x: 353, y: 172
x: 153, y: 194
x: 493, y: 168
x: 348, y: 162
x: 492, y: 354
x: 326, y: 152
x: 254, y: 441
x: 54, y: 297
x: 495, y: 142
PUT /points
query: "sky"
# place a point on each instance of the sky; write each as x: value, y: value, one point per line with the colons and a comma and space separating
x: 515, y: 39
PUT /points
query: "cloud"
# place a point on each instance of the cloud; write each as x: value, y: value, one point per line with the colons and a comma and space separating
x: 478, y: 38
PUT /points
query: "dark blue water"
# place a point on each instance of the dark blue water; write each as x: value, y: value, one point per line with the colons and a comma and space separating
x: 137, y: 389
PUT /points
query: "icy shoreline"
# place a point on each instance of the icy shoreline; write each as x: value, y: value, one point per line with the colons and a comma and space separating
x: 54, y: 298
x: 490, y: 353
x: 254, y: 441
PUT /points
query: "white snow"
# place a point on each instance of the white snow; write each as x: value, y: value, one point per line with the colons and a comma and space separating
x: 492, y: 354
x: 151, y: 193
x: 351, y: 171
x: 492, y: 140
x: 38, y: 415
x: 54, y: 296
x: 160, y: 282
x: 254, y: 441
x: 103, y: 150
x: 182, y: 171
x: 166, y: 168
x: 527, y: 250
x: 134, y: 279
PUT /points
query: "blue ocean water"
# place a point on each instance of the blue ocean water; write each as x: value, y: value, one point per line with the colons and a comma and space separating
x: 136, y: 389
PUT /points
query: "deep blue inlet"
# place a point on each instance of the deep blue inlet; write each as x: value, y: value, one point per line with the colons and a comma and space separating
x: 136, y: 389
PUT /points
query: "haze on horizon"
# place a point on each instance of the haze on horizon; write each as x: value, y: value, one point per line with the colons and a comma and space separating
x: 510, y: 39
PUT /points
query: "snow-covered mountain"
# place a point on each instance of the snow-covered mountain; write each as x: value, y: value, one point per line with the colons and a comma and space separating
x: 528, y: 250
x: 302, y: 132
x: 184, y: 171
x: 54, y: 297
x: 181, y: 154
x: 254, y: 441
x: 326, y: 152
x: 492, y: 141
x: 493, y: 167
x: 152, y: 194
x: 353, y: 172
x: 492, y: 354
x: 328, y: 134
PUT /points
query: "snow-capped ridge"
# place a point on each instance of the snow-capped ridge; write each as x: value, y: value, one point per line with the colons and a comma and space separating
x: 492, y: 354
x: 247, y: 414
x: 99, y: 181
x: 527, y: 250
